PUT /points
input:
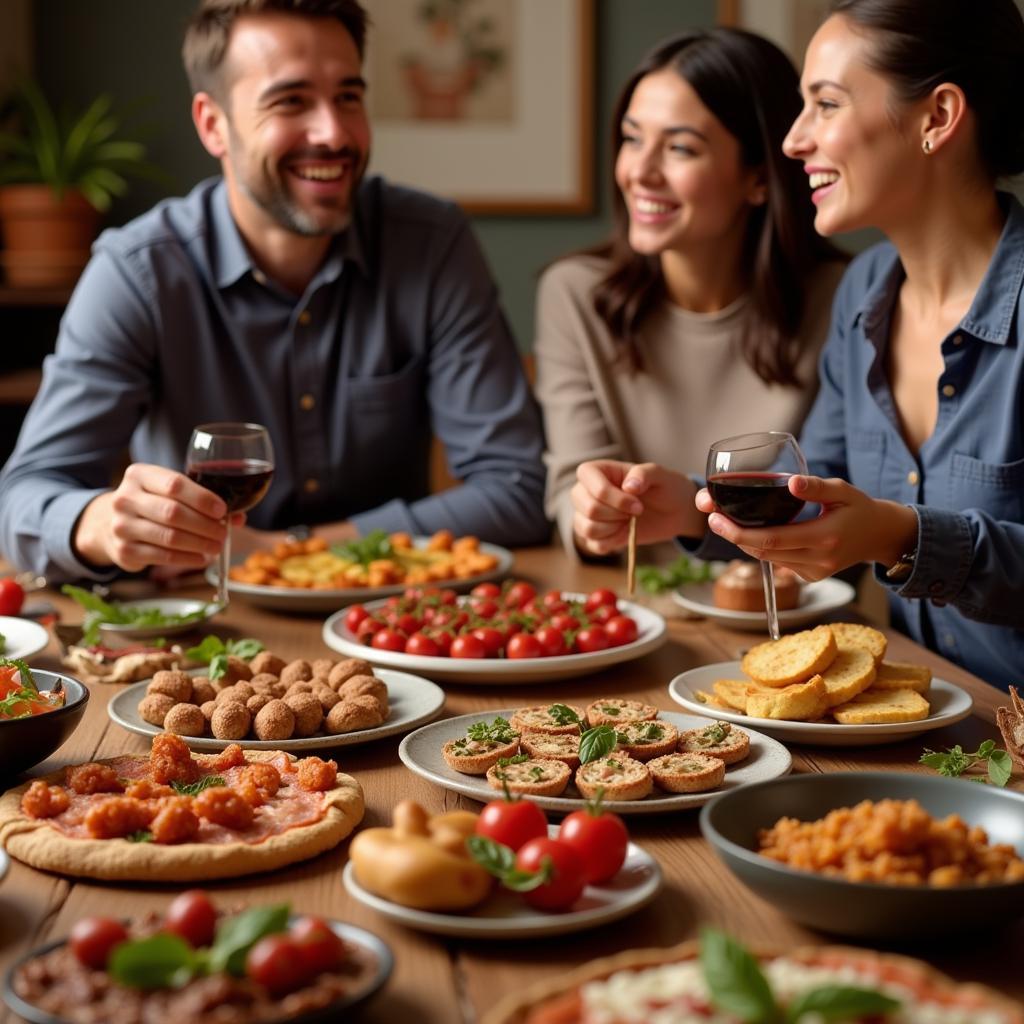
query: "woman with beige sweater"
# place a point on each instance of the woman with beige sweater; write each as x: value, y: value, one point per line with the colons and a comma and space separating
x: 704, y: 314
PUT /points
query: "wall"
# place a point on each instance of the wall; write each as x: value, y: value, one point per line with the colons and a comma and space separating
x: 130, y: 49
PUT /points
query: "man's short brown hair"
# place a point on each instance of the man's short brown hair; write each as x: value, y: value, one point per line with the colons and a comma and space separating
x: 208, y: 31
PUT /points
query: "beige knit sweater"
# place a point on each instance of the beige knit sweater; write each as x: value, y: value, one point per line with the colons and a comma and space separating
x: 695, y: 387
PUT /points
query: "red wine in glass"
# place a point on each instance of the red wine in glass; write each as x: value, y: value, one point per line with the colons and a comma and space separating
x: 241, y: 483
x: 748, y: 480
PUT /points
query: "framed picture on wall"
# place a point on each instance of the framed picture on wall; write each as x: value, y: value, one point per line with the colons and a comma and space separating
x: 488, y: 102
x: 788, y: 23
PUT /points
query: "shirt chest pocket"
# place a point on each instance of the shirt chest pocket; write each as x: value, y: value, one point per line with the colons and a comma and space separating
x: 993, y: 487
x: 394, y: 398
x: 865, y: 456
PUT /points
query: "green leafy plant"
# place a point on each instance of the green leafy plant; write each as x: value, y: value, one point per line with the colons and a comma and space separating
x: 364, y: 550
x: 657, y: 580
x: 955, y: 761
x: 215, y: 652
x: 66, y: 150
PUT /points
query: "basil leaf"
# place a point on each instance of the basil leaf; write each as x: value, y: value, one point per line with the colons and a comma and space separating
x: 596, y: 743
x: 210, y: 646
x: 142, y: 836
x: 161, y: 961
x: 500, y: 861
x: 840, y: 1002
x: 1000, y: 767
x: 195, y: 788
x: 985, y: 749
x: 735, y: 980
x: 562, y: 714
x: 245, y: 648
x: 218, y: 666
x: 237, y: 935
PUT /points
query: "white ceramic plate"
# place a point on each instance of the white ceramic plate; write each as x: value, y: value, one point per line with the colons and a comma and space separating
x: 413, y: 701
x: 651, y: 634
x: 815, y: 600
x: 24, y: 638
x: 168, y: 606
x: 297, y: 599
x: 949, y: 704
x: 420, y: 751
x: 506, y: 915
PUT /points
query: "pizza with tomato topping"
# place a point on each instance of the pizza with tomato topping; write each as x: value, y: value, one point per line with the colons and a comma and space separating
x: 173, y: 816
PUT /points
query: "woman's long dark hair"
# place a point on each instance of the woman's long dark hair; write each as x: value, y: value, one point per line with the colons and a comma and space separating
x: 750, y: 85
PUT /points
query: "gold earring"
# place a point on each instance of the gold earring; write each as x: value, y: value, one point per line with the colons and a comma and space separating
x: 927, y: 147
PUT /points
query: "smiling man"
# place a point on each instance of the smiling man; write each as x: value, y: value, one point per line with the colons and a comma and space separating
x: 354, y: 318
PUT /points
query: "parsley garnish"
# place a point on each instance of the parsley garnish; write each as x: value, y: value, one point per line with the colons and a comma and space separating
x: 536, y: 773
x: 562, y: 714
x: 611, y: 709
x: 713, y: 734
x: 499, y: 731
x: 142, y: 836
x: 955, y: 762
x: 195, y: 788
x: 517, y: 759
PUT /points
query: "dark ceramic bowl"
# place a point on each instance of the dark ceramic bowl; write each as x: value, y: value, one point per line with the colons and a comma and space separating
x: 25, y: 742
x: 866, y: 910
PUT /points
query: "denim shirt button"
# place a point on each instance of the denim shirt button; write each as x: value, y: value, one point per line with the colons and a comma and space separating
x: 912, y: 478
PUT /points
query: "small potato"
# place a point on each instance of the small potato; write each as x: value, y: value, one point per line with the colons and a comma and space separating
x: 237, y: 669
x: 267, y: 663
x: 346, y: 669
x: 296, y: 671
x: 208, y: 709
x: 322, y: 666
x: 275, y: 721
x: 202, y: 690
x: 308, y: 713
x: 185, y: 720
x: 154, y: 707
x: 231, y: 721
x: 257, y: 702
x: 361, y: 712
x: 175, y: 684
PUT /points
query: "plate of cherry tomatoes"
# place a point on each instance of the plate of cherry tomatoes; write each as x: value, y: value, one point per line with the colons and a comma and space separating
x: 496, y: 634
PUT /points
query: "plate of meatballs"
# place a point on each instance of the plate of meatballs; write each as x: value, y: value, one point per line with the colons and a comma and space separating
x: 271, y: 704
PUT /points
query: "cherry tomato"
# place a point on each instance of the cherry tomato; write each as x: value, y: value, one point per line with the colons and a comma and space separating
x: 603, y: 613
x: 600, y: 838
x: 468, y: 646
x: 443, y: 639
x: 192, y: 916
x: 563, y: 622
x: 394, y: 601
x: 593, y: 638
x: 492, y: 639
x: 567, y: 873
x: 11, y: 596
x: 448, y: 597
x: 485, y: 607
x: 599, y: 597
x: 366, y: 629
x: 276, y: 962
x: 524, y: 645
x: 621, y: 629
x: 388, y: 639
x: 354, y: 616
x: 423, y: 645
x: 519, y: 594
x: 93, y: 939
x: 512, y: 822
x: 486, y: 590
x: 321, y: 948
x: 408, y: 623
x: 551, y: 640
x: 553, y: 602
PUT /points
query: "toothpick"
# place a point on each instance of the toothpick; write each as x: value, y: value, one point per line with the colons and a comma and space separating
x: 631, y: 558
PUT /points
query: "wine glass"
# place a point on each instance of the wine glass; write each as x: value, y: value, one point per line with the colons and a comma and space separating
x: 236, y: 462
x: 748, y: 479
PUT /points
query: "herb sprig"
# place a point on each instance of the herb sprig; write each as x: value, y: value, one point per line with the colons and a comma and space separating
x: 657, y: 580
x: 375, y: 546
x: 498, y: 731
x: 99, y: 612
x: 955, y: 761
x: 215, y: 652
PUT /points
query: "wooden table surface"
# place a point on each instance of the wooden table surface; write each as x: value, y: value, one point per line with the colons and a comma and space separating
x: 453, y: 981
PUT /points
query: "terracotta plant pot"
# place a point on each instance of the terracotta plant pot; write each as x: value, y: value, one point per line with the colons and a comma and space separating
x: 46, y: 239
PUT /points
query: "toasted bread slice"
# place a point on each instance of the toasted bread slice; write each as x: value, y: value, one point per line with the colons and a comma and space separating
x: 900, y: 675
x: 874, y: 707
x: 798, y: 702
x: 733, y: 693
x: 703, y: 697
x: 616, y: 710
x: 558, y: 747
x: 687, y: 773
x: 851, y: 673
x: 793, y: 659
x: 472, y: 757
x: 727, y: 742
x: 646, y: 740
x: 538, y: 776
x: 619, y: 776
x: 852, y: 634
x: 550, y: 718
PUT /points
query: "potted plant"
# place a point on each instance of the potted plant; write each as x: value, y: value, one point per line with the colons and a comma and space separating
x: 57, y: 175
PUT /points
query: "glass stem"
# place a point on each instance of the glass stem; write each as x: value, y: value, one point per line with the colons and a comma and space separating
x: 223, y: 565
x: 768, y: 578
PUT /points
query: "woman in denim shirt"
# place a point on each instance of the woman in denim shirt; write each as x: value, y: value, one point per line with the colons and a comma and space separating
x: 912, y: 111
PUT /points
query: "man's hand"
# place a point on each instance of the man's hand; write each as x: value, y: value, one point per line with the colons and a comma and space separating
x: 608, y: 494
x: 155, y: 517
x: 852, y: 528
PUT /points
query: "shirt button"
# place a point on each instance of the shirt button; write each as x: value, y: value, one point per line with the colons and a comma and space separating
x: 948, y: 390
x: 307, y: 402
x: 937, y: 587
x: 311, y: 486
x: 912, y: 477
x: 305, y: 318
x: 958, y: 339
x: 259, y: 277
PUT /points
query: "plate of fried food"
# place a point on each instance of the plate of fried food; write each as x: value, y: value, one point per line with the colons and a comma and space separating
x: 829, y: 686
x: 314, y: 576
x: 641, y: 759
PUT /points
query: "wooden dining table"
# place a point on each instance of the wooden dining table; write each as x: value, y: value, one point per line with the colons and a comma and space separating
x: 444, y: 980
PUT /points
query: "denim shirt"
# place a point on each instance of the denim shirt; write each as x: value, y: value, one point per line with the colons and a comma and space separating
x: 965, y: 596
x: 398, y: 336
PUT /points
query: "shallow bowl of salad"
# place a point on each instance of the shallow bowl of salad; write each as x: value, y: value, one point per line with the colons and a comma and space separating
x: 38, y: 712
x: 144, y: 619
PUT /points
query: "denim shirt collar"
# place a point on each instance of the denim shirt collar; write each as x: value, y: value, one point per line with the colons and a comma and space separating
x: 990, y: 317
x: 232, y: 261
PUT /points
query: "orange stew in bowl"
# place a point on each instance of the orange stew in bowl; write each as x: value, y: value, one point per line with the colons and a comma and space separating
x: 19, y: 695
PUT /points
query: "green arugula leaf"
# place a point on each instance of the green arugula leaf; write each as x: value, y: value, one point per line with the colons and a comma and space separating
x: 735, y: 980
x: 596, y: 743
x: 161, y: 961
x: 237, y: 935
x: 841, y: 1002
x: 195, y: 788
x: 100, y: 612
